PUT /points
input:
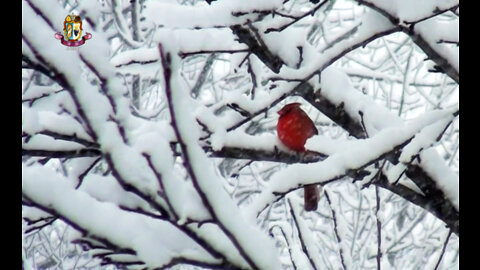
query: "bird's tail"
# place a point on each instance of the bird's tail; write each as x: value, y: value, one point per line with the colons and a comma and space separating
x: 311, y: 197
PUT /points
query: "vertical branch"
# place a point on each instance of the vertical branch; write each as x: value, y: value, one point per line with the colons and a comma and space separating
x: 203, y: 75
x: 134, y: 11
x: 167, y: 72
x: 160, y: 183
x: 253, y: 76
x: 339, y: 240
x: 136, y: 91
x: 288, y: 245
x: 443, y: 250
x: 363, y: 123
x: 379, y: 229
x: 405, y: 81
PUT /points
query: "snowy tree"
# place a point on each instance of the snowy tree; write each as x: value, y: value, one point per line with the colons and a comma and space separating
x: 153, y: 145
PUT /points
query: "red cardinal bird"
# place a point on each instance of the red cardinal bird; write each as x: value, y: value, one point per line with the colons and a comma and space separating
x: 294, y: 127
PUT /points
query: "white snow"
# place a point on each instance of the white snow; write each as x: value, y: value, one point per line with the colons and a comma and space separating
x: 433, y: 30
x: 256, y: 245
x: 193, y: 198
x: 356, y: 156
x: 411, y: 10
x: 445, y: 179
x: 167, y: 13
x: 156, y: 242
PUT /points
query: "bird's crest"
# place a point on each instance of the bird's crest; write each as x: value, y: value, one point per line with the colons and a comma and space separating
x: 288, y: 108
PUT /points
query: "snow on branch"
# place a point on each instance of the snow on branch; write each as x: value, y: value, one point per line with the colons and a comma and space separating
x: 336, y: 166
x: 343, y: 104
x: 156, y: 141
x: 422, y: 24
x: 101, y: 220
x: 245, y: 237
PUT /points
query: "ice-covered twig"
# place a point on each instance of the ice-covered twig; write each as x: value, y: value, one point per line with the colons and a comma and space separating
x: 296, y: 19
x: 288, y: 242
x: 203, y: 75
x: 419, y: 27
x: 339, y: 240
x: 301, y: 230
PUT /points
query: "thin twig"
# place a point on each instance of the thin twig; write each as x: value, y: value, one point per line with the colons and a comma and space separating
x: 289, y: 245
x: 253, y: 77
x: 311, y: 12
x: 185, y: 54
x: 33, y: 99
x: 405, y: 81
x: 203, y: 75
x: 363, y: 123
x: 82, y: 175
x: 443, y: 250
x: 436, y: 13
x: 158, y: 175
x: 335, y: 229
x: 379, y: 229
x: 71, y: 138
x: 300, y: 236
x: 48, y: 221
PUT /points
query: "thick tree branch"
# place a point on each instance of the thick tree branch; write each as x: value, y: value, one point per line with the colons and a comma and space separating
x: 249, y: 35
x: 263, y: 155
x: 439, y: 204
x: 83, y: 152
x: 166, y: 62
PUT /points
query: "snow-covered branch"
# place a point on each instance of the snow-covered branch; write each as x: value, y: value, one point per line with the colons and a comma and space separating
x: 421, y: 25
x: 154, y: 144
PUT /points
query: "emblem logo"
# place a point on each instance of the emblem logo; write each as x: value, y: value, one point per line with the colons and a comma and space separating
x: 72, y: 28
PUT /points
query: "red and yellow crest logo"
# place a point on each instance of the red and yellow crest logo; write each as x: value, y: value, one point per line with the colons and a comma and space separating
x: 72, y: 28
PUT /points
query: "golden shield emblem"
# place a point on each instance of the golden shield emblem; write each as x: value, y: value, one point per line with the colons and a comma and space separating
x: 72, y: 27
